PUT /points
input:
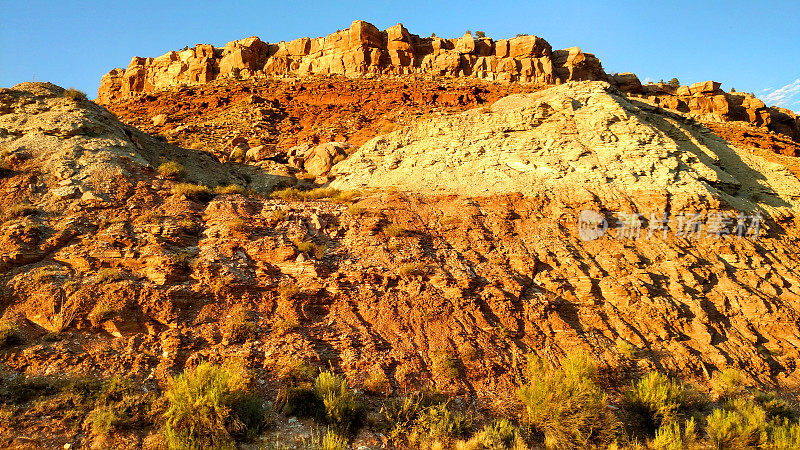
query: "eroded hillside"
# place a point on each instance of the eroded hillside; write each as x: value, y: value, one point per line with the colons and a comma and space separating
x: 111, y: 264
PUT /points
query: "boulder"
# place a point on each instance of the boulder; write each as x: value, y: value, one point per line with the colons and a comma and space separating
x: 627, y: 82
x: 320, y: 159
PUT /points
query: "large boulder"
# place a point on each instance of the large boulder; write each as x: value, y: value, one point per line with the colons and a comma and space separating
x: 320, y: 159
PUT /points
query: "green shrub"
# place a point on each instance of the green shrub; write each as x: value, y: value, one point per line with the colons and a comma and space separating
x: 210, y: 407
x: 102, y: 420
x: 655, y: 398
x: 311, y: 249
x: 74, y: 94
x: 498, y: 435
x: 438, y: 423
x: 193, y: 191
x: 566, y: 405
x: 784, y: 436
x: 238, y: 325
x: 776, y: 407
x: 740, y: 424
x: 670, y: 436
x: 728, y: 383
x: 230, y: 189
x: 172, y: 170
x: 420, y: 418
x: 346, y: 196
x: 342, y: 408
x: 21, y: 210
x: 393, y: 230
x: 108, y: 275
x: 446, y: 365
x: 294, y: 194
x: 102, y: 311
x: 9, y: 335
x: 333, y: 441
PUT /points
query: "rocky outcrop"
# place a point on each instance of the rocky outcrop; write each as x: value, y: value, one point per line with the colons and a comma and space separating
x: 581, y: 138
x: 361, y: 50
x: 707, y: 102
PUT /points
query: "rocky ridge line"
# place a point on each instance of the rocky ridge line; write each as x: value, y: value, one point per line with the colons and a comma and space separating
x: 364, y: 51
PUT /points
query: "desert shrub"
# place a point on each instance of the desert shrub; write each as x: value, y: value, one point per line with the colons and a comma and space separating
x: 776, y: 407
x: 108, y: 275
x: 193, y: 191
x: 333, y: 441
x: 296, y: 371
x: 288, y: 292
x: 565, y: 404
x: 626, y: 349
x: 21, y: 210
x: 438, y: 423
x: 343, y: 410
x: 784, y: 435
x: 236, y: 224
x: 377, y: 382
x: 101, y: 312
x: 283, y: 326
x: 674, y: 83
x: 276, y: 216
x: 238, y: 325
x: 236, y: 73
x: 346, y: 196
x: 210, y: 407
x: 9, y: 334
x: 498, y: 435
x: 740, y: 424
x: 230, y: 189
x: 393, y: 230
x: 355, y: 210
x: 172, y: 170
x: 445, y: 364
x: 727, y: 383
x: 420, y: 418
x: 74, y: 94
x: 311, y: 249
x: 102, y: 420
x: 294, y: 194
x: 655, y: 398
x: 671, y: 436
x: 409, y: 270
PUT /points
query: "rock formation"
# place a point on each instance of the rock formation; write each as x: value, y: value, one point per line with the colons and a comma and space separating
x: 580, y: 139
x: 361, y: 50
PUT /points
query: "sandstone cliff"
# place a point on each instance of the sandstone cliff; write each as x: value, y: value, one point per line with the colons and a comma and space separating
x: 364, y: 51
x: 361, y: 50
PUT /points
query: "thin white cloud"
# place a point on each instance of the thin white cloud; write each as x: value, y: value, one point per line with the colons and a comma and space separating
x: 787, y: 96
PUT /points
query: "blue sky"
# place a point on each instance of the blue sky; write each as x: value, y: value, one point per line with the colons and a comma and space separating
x: 748, y: 45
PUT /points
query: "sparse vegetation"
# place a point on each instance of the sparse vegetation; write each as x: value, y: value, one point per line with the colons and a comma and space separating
x: 355, y: 210
x: 294, y: 194
x: 674, y: 83
x: 343, y: 410
x: 74, y: 94
x: 276, y: 216
x: 9, y: 334
x: 740, y: 424
x: 230, y: 189
x: 377, y: 382
x: 284, y: 326
x: 410, y: 270
x: 671, y: 436
x: 480, y: 34
x: 393, y: 230
x: 210, y: 406
x: 566, y: 405
x: 446, y: 365
x: 21, y: 210
x: 626, y: 349
x: 499, y: 435
x: 288, y: 292
x: 108, y: 275
x: 238, y: 325
x: 655, y: 398
x: 193, y: 191
x: 172, y: 170
x: 311, y: 249
x: 101, y: 312
x: 727, y: 384
x: 423, y: 419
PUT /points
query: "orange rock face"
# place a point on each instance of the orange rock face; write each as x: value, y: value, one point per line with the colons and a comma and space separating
x: 355, y: 52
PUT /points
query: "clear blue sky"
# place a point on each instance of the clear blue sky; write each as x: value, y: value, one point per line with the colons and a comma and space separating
x: 749, y: 45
